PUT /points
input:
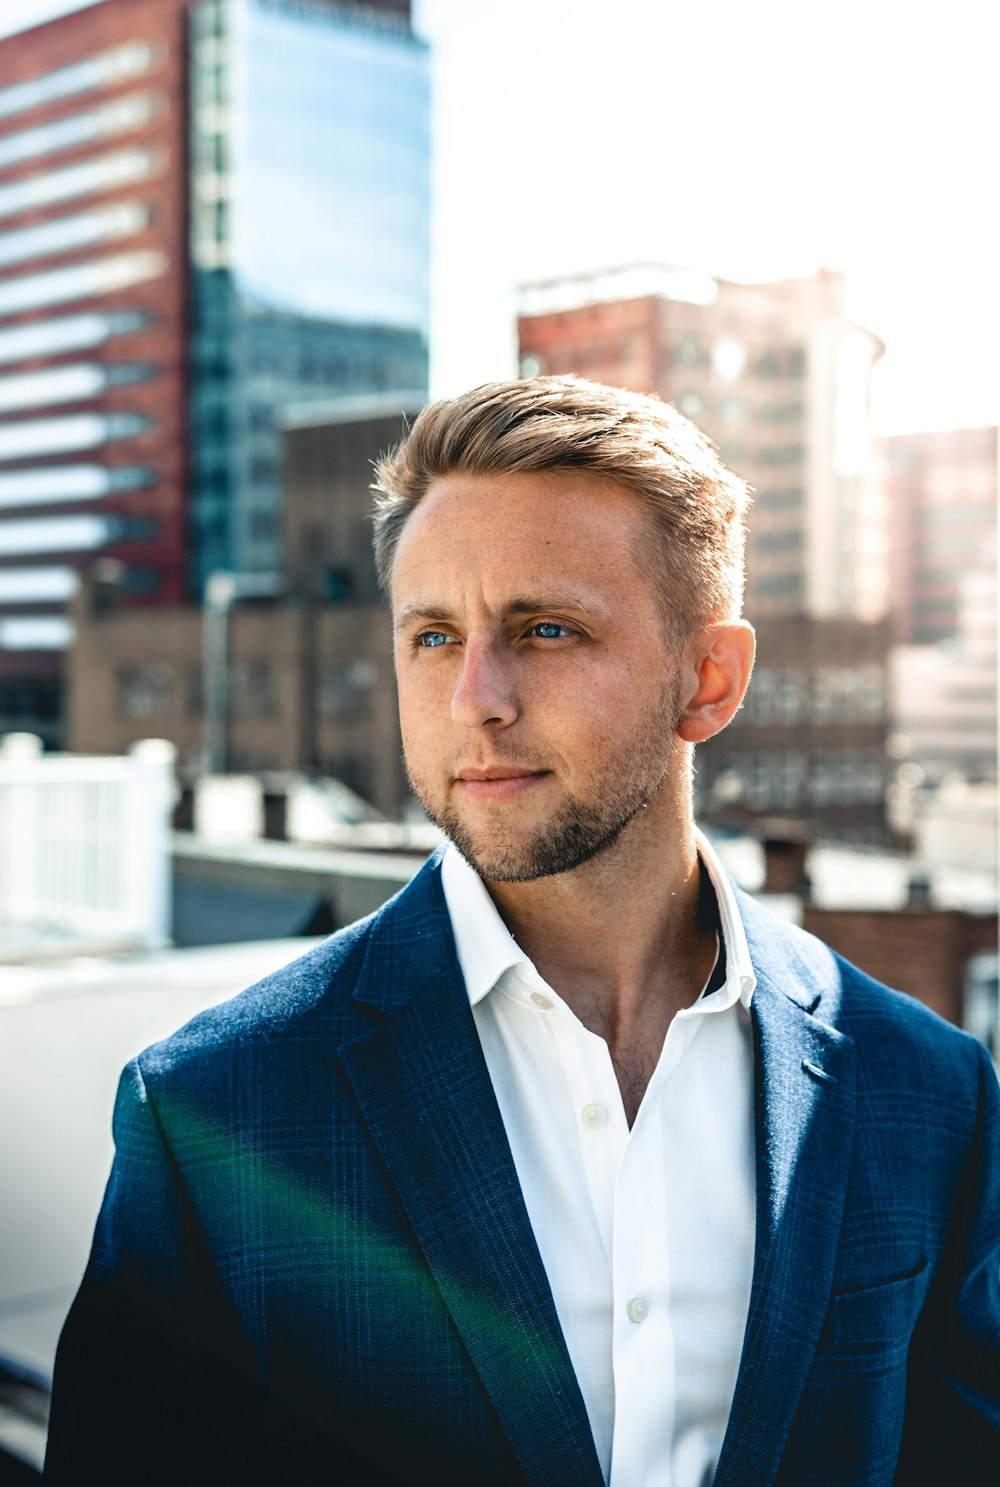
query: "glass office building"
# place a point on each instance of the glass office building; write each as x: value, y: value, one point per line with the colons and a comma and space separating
x: 209, y: 210
x: 309, y: 240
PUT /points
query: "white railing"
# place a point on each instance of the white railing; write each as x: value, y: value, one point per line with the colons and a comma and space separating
x: 85, y: 843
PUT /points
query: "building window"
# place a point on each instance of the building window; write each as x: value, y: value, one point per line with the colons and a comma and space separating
x: 62, y: 134
x: 115, y: 66
x: 261, y: 526
x: 144, y: 691
x: 345, y: 692
x: 687, y: 352
x: 253, y: 689
x: 82, y: 533
x: 43, y: 436
x: 784, y: 586
x: 65, y: 483
x: 263, y: 471
x: 691, y: 404
x: 338, y: 585
x: 729, y: 359
x: 81, y: 281
x: 37, y: 585
x: 778, y: 498
x: 66, y: 234
x: 72, y: 384
x: 782, y: 454
x: 103, y: 173
x: 68, y: 333
x: 780, y: 540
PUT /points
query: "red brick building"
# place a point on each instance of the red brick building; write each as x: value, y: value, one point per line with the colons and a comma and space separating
x: 157, y: 313
x: 778, y: 377
x: 93, y: 315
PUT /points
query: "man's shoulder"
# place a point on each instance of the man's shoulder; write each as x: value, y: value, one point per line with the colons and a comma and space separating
x: 883, y: 1022
x: 310, y: 998
x: 315, y: 984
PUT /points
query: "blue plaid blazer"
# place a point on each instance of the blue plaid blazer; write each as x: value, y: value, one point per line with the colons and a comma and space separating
x: 314, y: 1264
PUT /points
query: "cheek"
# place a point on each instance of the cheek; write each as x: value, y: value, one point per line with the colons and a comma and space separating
x: 422, y: 709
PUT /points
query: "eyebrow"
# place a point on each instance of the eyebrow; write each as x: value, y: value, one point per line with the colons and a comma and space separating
x: 420, y: 610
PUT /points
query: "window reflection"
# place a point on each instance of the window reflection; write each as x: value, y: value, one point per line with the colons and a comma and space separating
x: 66, y: 384
x: 64, y: 483
x: 37, y: 585
x: 44, y: 633
x: 78, y: 129
x: 349, y: 243
x: 81, y: 431
x: 118, y: 169
x: 128, y: 60
x: 59, y: 286
x: 67, y: 233
x: 56, y: 534
x: 67, y: 333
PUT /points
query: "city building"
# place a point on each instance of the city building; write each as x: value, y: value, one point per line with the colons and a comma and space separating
x: 209, y: 209
x: 942, y: 494
x: 308, y: 676
x: 944, y: 696
x: 809, y: 743
x: 778, y: 377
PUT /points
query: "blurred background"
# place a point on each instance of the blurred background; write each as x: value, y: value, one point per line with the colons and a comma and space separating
x: 241, y: 243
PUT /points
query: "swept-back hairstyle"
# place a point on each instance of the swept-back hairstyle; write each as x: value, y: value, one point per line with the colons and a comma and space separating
x: 697, y: 506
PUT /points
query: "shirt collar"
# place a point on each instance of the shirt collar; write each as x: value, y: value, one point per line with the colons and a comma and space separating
x: 486, y: 948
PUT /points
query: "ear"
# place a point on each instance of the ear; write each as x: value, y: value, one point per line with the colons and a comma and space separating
x: 719, y: 663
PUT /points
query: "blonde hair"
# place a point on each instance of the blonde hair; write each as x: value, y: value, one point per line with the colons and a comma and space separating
x: 698, y: 507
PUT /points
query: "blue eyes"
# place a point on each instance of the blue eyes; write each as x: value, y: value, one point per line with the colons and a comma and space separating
x: 543, y: 630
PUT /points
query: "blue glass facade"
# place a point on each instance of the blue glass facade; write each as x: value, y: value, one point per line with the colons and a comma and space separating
x: 309, y: 240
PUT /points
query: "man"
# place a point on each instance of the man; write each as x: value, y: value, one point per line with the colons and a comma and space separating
x: 569, y: 1165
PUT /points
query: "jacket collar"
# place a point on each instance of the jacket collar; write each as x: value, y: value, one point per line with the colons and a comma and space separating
x: 421, y: 1082
x: 423, y: 1087
x: 804, y: 1119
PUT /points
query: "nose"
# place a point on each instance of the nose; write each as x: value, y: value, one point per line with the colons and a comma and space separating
x: 484, y: 694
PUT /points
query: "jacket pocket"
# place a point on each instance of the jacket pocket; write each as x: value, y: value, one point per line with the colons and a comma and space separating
x: 870, y: 1329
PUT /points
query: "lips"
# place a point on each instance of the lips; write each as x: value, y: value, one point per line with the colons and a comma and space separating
x: 498, y: 772
x: 498, y: 782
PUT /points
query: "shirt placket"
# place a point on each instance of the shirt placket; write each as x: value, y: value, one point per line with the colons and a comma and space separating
x: 643, y: 1338
x: 597, y: 1111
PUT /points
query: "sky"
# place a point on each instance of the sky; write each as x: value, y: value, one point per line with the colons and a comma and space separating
x: 751, y: 141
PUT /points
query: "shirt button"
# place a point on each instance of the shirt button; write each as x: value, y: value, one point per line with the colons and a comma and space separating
x: 541, y: 1001
x: 638, y: 1309
x: 592, y: 1116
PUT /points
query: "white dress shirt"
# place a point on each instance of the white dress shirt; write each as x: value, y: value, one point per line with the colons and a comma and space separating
x: 647, y: 1236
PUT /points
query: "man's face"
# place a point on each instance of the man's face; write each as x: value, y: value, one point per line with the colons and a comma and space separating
x: 538, y: 693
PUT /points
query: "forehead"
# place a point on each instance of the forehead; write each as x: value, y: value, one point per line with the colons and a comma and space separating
x: 547, y: 523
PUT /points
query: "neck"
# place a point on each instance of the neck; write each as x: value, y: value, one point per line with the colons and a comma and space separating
x: 622, y: 938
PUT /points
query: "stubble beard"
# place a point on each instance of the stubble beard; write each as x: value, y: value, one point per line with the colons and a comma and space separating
x: 583, y: 826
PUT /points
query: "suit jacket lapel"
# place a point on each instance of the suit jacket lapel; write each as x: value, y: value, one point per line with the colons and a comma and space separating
x: 423, y: 1088
x: 804, y: 1071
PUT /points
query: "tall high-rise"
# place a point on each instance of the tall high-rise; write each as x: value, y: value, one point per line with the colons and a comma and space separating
x: 942, y: 492
x: 209, y: 209
x: 778, y: 376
